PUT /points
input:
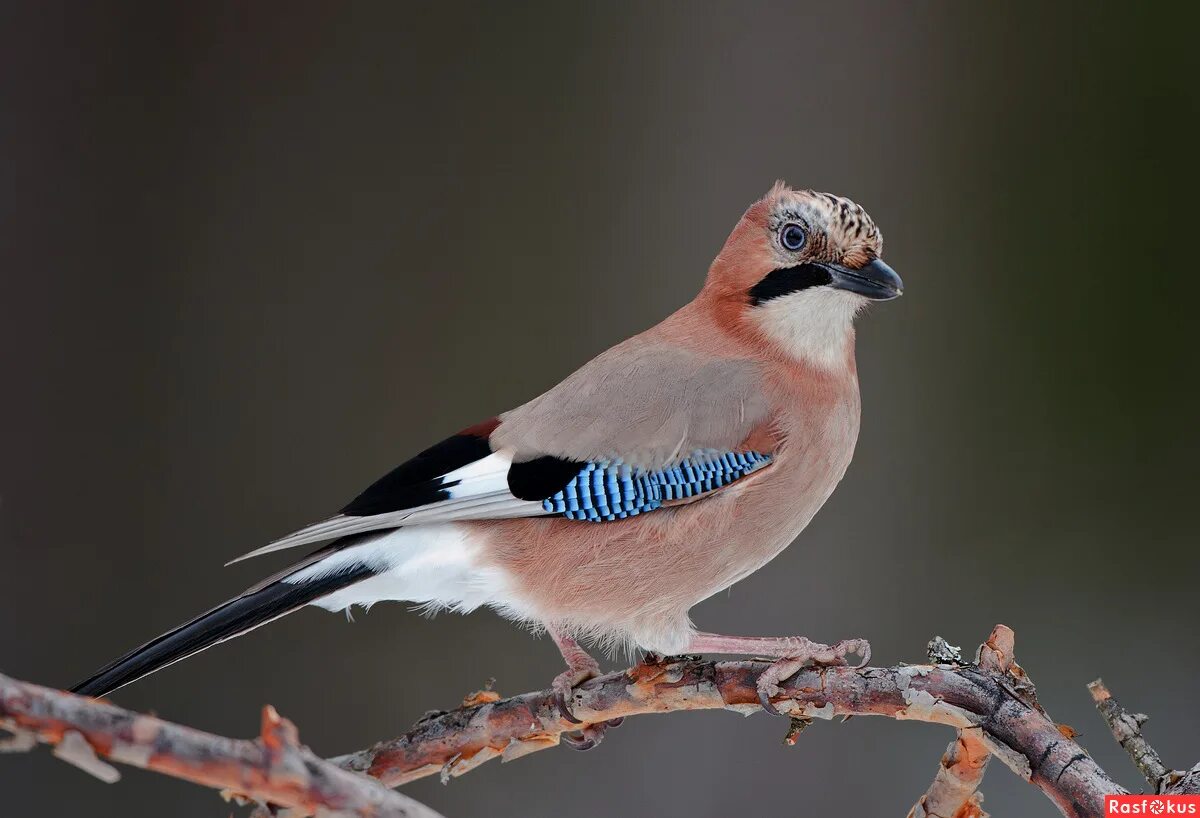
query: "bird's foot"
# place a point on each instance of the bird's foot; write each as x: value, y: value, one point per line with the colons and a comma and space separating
x: 800, y: 652
x: 565, y: 683
x: 589, y: 735
x: 791, y: 653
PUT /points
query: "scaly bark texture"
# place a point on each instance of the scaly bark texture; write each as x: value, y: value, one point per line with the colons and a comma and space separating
x: 991, y: 702
x: 954, y: 792
x: 274, y: 769
x: 1126, y: 728
x: 997, y: 707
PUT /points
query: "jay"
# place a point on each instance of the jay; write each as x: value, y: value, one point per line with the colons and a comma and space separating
x: 661, y: 472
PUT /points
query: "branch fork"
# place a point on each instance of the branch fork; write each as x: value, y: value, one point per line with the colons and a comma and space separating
x: 991, y: 703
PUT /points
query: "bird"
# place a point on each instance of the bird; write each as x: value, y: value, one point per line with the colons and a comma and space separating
x: 663, y: 471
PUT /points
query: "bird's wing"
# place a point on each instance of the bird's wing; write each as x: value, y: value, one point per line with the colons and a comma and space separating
x: 646, y: 403
x: 640, y: 425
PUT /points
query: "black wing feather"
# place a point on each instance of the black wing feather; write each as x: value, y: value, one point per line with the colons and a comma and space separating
x: 418, y: 481
x: 264, y: 602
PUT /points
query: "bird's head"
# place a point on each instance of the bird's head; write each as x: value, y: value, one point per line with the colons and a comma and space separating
x: 797, y: 269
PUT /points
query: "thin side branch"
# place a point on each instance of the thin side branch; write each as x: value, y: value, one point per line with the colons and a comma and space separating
x: 998, y: 708
x: 274, y: 768
x: 954, y: 792
x: 1126, y: 728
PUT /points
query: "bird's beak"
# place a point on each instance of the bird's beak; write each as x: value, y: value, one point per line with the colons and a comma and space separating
x: 876, y: 280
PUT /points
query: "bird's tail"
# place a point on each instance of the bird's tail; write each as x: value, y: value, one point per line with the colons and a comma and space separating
x: 271, y: 599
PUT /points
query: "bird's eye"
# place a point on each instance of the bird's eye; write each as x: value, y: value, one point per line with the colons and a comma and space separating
x: 792, y: 237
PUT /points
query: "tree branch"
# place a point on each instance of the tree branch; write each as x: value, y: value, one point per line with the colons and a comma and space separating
x: 990, y: 702
x: 954, y: 792
x: 274, y: 768
x: 1126, y: 728
x: 999, y: 708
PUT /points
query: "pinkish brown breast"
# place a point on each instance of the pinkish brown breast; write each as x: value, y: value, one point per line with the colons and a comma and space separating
x: 634, y: 580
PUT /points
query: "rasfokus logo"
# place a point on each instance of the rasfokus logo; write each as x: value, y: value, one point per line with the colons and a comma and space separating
x: 1151, y: 805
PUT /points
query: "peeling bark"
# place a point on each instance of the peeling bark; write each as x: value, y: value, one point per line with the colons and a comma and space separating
x: 274, y: 768
x: 954, y: 792
x: 997, y: 707
x: 1126, y: 728
x: 991, y: 702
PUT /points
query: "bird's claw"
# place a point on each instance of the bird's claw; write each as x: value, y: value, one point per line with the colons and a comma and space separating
x: 564, y: 687
x: 807, y: 651
x: 590, y: 734
x: 564, y: 691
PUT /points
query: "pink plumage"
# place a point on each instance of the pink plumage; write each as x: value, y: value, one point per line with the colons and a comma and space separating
x: 613, y: 503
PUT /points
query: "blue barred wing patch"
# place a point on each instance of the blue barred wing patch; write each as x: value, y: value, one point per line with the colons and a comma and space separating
x: 613, y: 490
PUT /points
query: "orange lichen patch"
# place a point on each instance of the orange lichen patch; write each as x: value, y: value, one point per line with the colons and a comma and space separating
x: 486, y: 696
x: 971, y: 757
x: 1099, y: 691
x: 646, y: 671
x: 997, y: 652
x: 278, y: 733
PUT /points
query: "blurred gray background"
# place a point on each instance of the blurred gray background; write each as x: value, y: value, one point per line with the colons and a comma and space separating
x: 253, y: 255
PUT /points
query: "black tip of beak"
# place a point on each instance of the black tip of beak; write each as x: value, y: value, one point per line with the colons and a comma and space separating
x: 875, y: 281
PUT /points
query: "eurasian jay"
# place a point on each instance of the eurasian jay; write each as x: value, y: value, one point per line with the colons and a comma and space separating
x: 661, y: 472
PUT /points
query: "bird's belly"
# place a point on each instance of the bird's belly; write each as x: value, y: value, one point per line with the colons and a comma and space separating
x: 643, y: 574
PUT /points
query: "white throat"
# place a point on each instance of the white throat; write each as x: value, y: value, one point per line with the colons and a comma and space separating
x: 814, y: 325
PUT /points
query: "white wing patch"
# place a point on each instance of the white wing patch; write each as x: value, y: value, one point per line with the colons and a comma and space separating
x: 479, y: 491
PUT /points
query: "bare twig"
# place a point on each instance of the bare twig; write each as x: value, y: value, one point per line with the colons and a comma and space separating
x: 1126, y: 728
x: 1000, y: 709
x: 274, y: 768
x: 954, y: 792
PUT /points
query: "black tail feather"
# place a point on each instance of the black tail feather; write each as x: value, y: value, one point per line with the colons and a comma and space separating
x: 259, y: 605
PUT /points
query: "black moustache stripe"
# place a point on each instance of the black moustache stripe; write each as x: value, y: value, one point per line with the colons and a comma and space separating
x: 788, y: 280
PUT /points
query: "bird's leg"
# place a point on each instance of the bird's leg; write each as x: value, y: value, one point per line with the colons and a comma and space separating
x: 790, y: 652
x: 580, y: 667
